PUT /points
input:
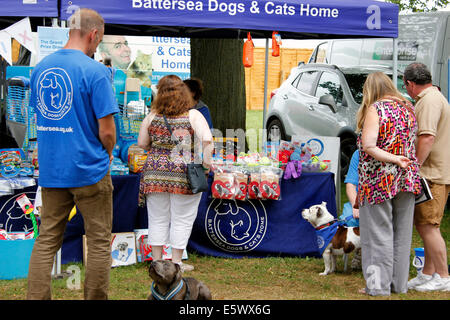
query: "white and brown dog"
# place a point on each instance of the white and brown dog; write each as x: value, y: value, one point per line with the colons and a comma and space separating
x: 341, y: 239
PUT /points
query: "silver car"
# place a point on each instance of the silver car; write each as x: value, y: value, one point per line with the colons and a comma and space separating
x: 321, y: 100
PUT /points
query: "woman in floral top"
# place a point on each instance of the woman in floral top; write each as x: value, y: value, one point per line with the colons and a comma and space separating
x: 388, y: 180
x: 171, y: 206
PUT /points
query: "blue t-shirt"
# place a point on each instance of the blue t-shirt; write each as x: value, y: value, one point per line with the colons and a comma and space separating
x: 70, y: 92
x: 352, y: 173
x: 352, y: 177
x: 204, y: 110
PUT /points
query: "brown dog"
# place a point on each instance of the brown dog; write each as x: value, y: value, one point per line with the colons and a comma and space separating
x: 168, y: 283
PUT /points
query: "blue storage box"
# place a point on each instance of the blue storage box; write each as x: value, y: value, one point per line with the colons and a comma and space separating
x: 15, y: 258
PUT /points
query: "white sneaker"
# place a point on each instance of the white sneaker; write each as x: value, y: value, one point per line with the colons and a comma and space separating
x: 435, y: 284
x: 419, y: 280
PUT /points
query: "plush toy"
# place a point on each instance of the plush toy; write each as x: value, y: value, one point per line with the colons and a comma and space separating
x: 296, y: 155
x: 284, y: 155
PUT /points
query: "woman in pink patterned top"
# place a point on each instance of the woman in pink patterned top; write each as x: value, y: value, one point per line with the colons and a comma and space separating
x: 388, y: 181
x: 171, y: 206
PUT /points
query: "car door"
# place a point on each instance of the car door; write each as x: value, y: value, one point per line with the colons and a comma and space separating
x: 297, y: 101
x: 321, y: 119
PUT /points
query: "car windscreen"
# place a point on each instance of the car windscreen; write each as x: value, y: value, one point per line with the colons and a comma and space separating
x: 356, y: 82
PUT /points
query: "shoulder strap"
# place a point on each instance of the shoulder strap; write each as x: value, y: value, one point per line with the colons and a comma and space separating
x: 167, y: 125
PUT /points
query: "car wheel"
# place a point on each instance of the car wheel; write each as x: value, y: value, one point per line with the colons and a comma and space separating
x: 275, y: 131
x: 348, y: 147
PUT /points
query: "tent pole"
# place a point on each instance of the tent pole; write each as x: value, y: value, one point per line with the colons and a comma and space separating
x: 266, y: 69
x: 395, y: 62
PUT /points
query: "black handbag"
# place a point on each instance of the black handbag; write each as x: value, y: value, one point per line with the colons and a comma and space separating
x: 194, y: 173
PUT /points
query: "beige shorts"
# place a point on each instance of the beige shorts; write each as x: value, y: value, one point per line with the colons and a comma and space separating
x: 432, y: 211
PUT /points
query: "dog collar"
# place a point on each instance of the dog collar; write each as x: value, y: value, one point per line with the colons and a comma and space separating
x: 170, y: 294
x: 326, y: 225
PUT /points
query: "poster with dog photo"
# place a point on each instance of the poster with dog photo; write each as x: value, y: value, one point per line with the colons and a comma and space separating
x: 144, y: 250
x: 123, y: 249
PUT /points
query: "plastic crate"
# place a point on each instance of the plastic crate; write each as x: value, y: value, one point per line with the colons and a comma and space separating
x: 129, y: 122
x: 18, y: 109
x: 15, y: 258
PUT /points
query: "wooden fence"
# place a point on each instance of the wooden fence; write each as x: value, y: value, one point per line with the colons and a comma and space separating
x: 279, y: 69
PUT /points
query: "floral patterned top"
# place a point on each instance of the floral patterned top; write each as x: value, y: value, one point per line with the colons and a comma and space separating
x: 165, y: 167
x: 381, y: 181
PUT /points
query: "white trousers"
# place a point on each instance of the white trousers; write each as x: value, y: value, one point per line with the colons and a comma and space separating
x: 171, y: 217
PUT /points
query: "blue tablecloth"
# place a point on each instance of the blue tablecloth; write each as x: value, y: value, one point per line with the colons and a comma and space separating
x: 254, y: 228
x: 223, y: 228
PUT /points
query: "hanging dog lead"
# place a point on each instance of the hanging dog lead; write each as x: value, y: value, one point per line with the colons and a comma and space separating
x: 248, y: 51
x: 276, y: 43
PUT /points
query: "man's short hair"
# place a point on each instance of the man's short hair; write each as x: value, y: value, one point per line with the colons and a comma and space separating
x: 418, y: 73
x: 85, y: 20
x: 107, y: 61
x: 195, y: 86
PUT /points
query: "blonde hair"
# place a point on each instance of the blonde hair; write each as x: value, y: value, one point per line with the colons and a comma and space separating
x: 377, y: 86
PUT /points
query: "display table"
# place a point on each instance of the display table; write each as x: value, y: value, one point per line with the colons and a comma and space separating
x: 223, y: 228
x: 127, y: 216
x: 258, y: 228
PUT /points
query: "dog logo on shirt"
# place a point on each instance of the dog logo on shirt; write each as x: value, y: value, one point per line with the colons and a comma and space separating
x: 54, y: 93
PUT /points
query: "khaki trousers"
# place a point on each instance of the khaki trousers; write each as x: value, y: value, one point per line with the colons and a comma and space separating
x: 95, y: 204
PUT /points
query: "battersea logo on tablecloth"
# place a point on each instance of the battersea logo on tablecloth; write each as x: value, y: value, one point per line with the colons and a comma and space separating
x: 236, y: 226
x: 55, y: 93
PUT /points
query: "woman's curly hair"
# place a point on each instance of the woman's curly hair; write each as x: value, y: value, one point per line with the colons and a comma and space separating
x: 173, y: 97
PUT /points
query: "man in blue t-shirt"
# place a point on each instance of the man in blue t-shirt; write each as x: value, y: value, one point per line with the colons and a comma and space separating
x: 75, y: 106
x: 351, y: 188
x: 350, y: 215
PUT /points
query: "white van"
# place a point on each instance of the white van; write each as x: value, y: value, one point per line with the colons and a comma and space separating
x: 422, y: 37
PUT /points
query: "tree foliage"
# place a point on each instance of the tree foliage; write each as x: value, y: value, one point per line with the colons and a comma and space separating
x: 420, y: 5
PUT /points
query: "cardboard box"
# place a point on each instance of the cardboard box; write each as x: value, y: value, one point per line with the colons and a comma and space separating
x: 123, y: 249
x: 136, y: 158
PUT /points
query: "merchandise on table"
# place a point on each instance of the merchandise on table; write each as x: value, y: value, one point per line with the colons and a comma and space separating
x: 118, y: 167
x: 13, y: 163
x: 223, y: 186
x: 4, y: 235
x: 136, y: 158
x: 258, y: 175
x: 16, y: 172
x: 242, y: 182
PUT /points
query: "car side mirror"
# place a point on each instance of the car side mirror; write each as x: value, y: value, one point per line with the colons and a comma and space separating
x: 328, y: 100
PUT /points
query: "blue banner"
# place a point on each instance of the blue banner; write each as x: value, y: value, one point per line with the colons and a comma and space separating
x: 29, y: 8
x: 359, y: 18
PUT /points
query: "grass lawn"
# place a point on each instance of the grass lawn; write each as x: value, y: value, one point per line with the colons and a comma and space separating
x: 273, y: 278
